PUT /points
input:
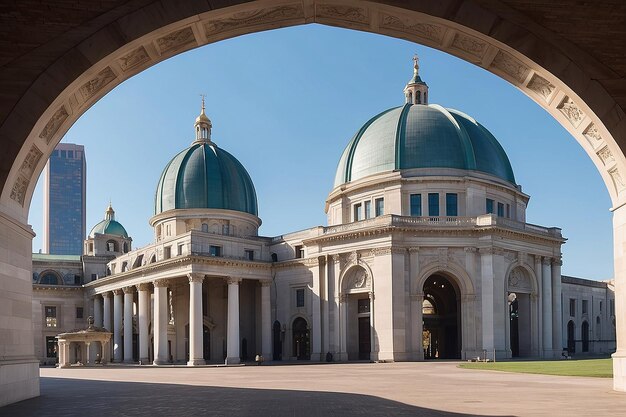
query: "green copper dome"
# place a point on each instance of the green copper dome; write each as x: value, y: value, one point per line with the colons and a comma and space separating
x: 422, y: 136
x: 205, y: 176
x: 109, y: 226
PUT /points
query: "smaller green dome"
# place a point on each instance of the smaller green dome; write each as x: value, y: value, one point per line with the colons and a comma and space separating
x: 109, y: 226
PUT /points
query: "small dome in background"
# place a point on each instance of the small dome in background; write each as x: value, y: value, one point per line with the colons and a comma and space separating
x: 109, y: 226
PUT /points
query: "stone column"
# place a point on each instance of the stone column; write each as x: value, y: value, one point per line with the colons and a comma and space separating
x: 160, y: 320
x: 486, y: 298
x: 128, y: 324
x: 144, y: 313
x: 373, y: 348
x: 316, y: 331
x: 106, y: 315
x: 546, y: 277
x: 539, y: 318
x: 619, y: 259
x: 97, y: 310
x: 117, y: 325
x: 266, y: 320
x: 196, y: 354
x: 557, y: 313
x: 343, y: 329
x: 336, y: 332
x: 232, y: 341
x: 417, y: 320
x: 88, y: 353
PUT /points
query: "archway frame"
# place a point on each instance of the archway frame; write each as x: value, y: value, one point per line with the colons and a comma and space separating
x: 535, y: 318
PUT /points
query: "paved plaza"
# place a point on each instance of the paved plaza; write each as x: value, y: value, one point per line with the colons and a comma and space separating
x: 395, y: 389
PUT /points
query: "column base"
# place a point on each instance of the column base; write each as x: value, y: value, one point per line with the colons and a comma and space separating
x: 144, y: 361
x: 129, y: 361
x: 159, y: 362
x: 234, y: 360
x: 619, y: 371
x: 196, y: 362
x: 316, y: 357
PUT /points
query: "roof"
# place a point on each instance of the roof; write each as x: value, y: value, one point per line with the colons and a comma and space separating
x: 47, y: 257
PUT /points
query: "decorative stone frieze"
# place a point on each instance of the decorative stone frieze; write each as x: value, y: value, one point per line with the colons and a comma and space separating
x: 606, y: 156
x: 592, y: 135
x: 233, y: 280
x: 30, y: 162
x: 616, y: 177
x: 176, y: 40
x: 97, y: 83
x: 469, y: 44
x: 18, y: 192
x: 54, y: 124
x: 542, y: 87
x: 505, y: 63
x: 411, y: 26
x: 571, y: 111
x: 134, y: 59
x: 161, y: 283
x: 348, y: 14
x: 144, y: 286
x: 274, y: 15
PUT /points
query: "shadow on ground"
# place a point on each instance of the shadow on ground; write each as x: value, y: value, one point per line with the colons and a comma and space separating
x: 73, y: 397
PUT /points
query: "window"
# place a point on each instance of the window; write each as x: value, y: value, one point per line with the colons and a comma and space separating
x: 90, y: 247
x: 205, y: 227
x: 168, y: 230
x: 215, y: 250
x: 111, y: 246
x: 225, y: 229
x: 51, y: 316
x: 585, y: 306
x: 380, y: 206
x: 79, y: 312
x: 489, y: 206
x: 357, y: 212
x: 416, y: 205
x: 300, y: 297
x: 167, y: 252
x: 249, y: 254
x: 452, y: 204
x: 500, y: 209
x: 94, y: 277
x: 368, y: 209
x: 600, y: 306
x: 508, y: 211
x: 572, y: 307
x: 299, y: 251
x: 410, y: 97
x: 180, y: 249
x: 418, y: 97
x: 77, y: 280
x: 49, y: 278
x: 433, y: 204
x: 125, y: 247
x: 363, y: 305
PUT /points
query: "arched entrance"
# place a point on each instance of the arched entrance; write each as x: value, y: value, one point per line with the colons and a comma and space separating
x: 356, y: 311
x: 522, y: 314
x: 301, y: 343
x: 571, y: 337
x: 277, y: 341
x: 441, y: 308
x: 584, y: 330
x: 40, y: 112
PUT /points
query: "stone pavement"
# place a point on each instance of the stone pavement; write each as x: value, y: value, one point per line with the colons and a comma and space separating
x: 395, y: 389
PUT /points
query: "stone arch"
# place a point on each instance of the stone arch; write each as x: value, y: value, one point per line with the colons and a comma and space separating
x: 529, y: 273
x: 522, y: 311
x: 46, y: 277
x: 356, y: 278
x: 450, y: 270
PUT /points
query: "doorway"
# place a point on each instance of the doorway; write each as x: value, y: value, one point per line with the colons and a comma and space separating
x: 301, y: 348
x: 441, y: 338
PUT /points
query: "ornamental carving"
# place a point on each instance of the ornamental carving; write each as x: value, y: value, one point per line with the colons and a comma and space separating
x: 254, y: 17
x: 345, y: 13
x: 355, y: 280
x: 144, y: 286
x: 175, y: 40
x: 118, y: 291
x: 195, y: 278
x: 592, y: 135
x: 135, y: 58
x: 265, y: 282
x: 380, y: 251
x: 423, y: 30
x: 618, y: 182
x: 519, y: 280
x: 90, y: 88
x: 233, y: 280
x: 606, y: 156
x: 160, y: 283
x: 469, y: 44
x: 54, y: 124
x: 18, y: 192
x: 509, y: 65
x: 571, y: 111
x: 128, y: 290
x: 541, y: 86
x: 30, y: 162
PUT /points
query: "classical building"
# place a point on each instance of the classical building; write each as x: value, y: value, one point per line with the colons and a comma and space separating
x: 427, y: 254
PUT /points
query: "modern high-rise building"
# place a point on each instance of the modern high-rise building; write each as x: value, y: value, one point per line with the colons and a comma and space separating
x: 65, y: 201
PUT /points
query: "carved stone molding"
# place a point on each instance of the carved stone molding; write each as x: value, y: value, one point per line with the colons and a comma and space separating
x: 144, y: 286
x: 537, y: 259
x: 160, y: 283
x: 343, y: 298
x: 417, y: 28
x: 469, y: 44
x: 30, y: 162
x: 345, y: 13
x: 470, y: 249
x: 265, y: 282
x: 233, y: 280
x: 518, y: 280
x: 616, y: 177
x: 380, y: 251
x: 505, y: 63
x: 54, y: 124
x: 546, y: 261
x: 415, y: 249
x: 134, y: 58
x: 606, y: 156
x: 336, y: 258
x: 557, y: 261
x: 91, y: 87
x: 118, y: 291
x: 106, y: 294
x: 18, y: 192
x: 175, y: 40
x: 371, y: 295
x: 195, y: 277
x: 129, y: 290
x: 571, y: 111
x: 592, y: 135
x: 254, y: 17
x: 542, y: 87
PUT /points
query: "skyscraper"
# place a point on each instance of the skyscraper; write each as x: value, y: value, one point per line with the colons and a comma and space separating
x: 65, y: 201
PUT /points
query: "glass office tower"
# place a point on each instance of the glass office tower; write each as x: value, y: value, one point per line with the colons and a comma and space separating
x: 65, y: 200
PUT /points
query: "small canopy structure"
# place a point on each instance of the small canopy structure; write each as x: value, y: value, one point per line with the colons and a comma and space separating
x: 81, y: 340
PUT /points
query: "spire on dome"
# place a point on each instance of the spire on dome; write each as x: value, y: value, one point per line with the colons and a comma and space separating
x: 416, y: 90
x: 203, y: 125
x: 109, y: 214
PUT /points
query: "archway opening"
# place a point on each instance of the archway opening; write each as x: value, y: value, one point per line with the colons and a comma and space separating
x: 522, y: 312
x: 584, y: 330
x: 571, y: 337
x: 277, y: 351
x: 441, y: 338
x: 301, y: 342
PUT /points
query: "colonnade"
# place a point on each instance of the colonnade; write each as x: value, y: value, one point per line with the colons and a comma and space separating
x: 119, y: 304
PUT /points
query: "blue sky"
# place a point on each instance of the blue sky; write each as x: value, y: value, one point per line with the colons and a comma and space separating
x: 286, y: 103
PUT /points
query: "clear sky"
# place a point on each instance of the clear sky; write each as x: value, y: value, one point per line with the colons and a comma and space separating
x: 286, y: 103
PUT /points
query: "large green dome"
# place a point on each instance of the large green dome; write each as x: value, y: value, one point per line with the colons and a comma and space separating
x: 205, y: 176
x: 422, y: 136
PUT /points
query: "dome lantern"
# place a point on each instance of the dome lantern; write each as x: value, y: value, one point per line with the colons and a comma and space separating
x: 203, y: 126
x: 416, y: 90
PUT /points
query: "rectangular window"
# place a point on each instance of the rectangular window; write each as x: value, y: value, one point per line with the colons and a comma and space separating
x: 94, y: 277
x: 433, y: 204
x: 572, y: 307
x: 77, y: 280
x: 51, y: 347
x: 368, y: 209
x: 452, y: 207
x: 508, y: 211
x: 416, y: 205
x: 249, y: 254
x: 300, y: 297
x: 357, y: 212
x: 180, y: 249
x: 364, y: 305
x: 600, y: 306
x: 489, y: 206
x: 500, y: 209
x: 215, y: 250
x: 79, y: 312
x: 299, y: 251
x: 380, y: 206
x: 585, y: 306
x: 167, y: 252
x: 70, y: 154
x: 51, y: 316
x: 226, y: 229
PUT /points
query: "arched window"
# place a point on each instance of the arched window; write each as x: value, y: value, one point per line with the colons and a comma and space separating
x: 153, y: 259
x: 125, y: 247
x: 584, y: 329
x: 418, y: 97
x: 598, y: 329
x: 111, y: 246
x: 49, y: 278
x: 410, y: 97
x: 124, y: 266
x: 425, y: 97
x: 205, y: 227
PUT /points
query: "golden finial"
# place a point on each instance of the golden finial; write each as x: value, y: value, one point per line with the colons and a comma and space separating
x: 415, y: 63
x: 203, y: 96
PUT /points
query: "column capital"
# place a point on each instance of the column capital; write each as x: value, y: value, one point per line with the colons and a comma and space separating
x: 233, y: 280
x: 160, y: 283
x: 118, y: 291
x: 343, y: 297
x: 537, y: 259
x: 129, y: 290
x: 546, y: 261
x: 414, y: 249
x: 195, y: 277
x: 265, y: 282
x: 557, y: 262
x: 486, y: 251
x: 371, y: 295
x: 106, y: 294
x: 144, y: 286
x: 470, y: 249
